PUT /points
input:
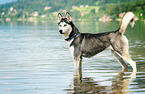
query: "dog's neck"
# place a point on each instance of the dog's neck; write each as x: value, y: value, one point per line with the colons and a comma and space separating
x: 68, y: 39
x: 73, y: 33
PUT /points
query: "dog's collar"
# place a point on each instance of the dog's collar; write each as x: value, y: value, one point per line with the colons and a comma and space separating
x: 72, y: 37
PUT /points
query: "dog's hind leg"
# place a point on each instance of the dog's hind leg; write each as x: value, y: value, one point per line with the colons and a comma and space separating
x: 121, y: 47
x: 119, y: 59
x: 127, y: 58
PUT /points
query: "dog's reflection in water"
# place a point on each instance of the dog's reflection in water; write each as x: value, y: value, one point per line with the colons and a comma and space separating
x: 87, y: 85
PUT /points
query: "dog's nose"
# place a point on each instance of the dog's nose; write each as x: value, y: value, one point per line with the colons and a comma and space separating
x: 60, y: 31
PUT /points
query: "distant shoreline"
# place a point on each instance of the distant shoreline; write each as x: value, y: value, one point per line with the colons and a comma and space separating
x: 52, y: 19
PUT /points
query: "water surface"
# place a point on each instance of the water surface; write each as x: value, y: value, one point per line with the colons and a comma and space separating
x: 35, y: 59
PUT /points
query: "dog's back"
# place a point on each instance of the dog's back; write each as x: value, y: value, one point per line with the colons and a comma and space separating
x: 92, y: 44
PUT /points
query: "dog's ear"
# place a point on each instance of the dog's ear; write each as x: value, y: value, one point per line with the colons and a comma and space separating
x: 59, y: 17
x: 68, y: 16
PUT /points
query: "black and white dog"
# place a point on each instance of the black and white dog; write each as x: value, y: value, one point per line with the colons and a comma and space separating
x: 88, y: 45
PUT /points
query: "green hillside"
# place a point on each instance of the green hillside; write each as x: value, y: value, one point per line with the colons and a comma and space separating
x: 79, y: 8
x: 37, y: 5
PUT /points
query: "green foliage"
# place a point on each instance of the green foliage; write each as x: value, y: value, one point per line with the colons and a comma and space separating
x: 25, y: 8
x: 56, y: 5
x: 93, y: 11
x: 76, y: 14
x: 137, y: 7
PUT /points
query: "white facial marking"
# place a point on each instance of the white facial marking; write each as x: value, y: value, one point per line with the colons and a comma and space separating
x: 66, y: 28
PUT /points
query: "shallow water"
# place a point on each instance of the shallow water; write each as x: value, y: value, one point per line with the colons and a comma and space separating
x: 35, y: 59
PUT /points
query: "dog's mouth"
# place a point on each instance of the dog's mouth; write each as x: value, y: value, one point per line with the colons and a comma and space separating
x: 60, y: 31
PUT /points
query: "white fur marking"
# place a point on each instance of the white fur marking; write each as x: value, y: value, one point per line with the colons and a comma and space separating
x: 125, y: 39
x: 72, y: 51
x: 66, y: 29
x: 69, y: 42
x: 126, y: 19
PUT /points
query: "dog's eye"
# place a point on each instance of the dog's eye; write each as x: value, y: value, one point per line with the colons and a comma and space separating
x: 60, y: 25
x: 65, y: 25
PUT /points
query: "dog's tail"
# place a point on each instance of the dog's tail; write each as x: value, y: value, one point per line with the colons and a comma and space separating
x: 128, y: 17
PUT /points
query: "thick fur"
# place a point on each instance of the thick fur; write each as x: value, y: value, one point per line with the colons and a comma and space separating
x: 88, y: 45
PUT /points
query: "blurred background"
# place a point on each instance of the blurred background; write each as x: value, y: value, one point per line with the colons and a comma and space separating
x: 35, y: 59
x: 80, y: 9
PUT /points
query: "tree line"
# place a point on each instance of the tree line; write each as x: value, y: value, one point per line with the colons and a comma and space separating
x: 110, y: 7
x: 137, y: 7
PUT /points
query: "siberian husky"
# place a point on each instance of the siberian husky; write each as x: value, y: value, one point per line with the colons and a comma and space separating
x: 88, y: 45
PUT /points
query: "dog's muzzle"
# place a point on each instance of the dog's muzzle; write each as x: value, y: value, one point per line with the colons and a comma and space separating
x: 60, y: 31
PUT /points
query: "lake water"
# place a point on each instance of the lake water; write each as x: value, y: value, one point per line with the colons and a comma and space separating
x: 35, y: 59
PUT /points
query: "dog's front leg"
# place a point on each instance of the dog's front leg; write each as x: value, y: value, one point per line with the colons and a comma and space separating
x: 76, y: 54
x: 77, y: 66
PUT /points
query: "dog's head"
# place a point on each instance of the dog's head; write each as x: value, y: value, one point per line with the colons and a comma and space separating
x: 64, y: 24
